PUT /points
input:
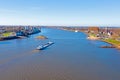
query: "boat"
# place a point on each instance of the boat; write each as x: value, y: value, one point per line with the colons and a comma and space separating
x: 76, y: 31
x: 42, y: 47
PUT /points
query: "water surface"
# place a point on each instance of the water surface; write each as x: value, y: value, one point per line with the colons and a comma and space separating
x: 72, y: 57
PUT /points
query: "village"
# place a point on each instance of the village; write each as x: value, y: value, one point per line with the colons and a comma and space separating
x: 110, y: 35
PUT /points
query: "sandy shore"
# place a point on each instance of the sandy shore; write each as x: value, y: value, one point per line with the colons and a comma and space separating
x: 93, y: 38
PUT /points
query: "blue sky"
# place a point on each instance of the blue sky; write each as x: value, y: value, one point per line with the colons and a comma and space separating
x: 60, y: 12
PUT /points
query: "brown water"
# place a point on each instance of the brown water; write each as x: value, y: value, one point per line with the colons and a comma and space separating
x: 72, y: 57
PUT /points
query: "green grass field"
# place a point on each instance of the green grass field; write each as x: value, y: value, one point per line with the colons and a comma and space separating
x: 113, y: 41
x: 91, y: 34
x: 7, y: 34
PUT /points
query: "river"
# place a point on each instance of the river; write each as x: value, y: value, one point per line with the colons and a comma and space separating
x: 72, y: 57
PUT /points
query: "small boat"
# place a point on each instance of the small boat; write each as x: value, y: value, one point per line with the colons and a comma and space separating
x: 41, y: 47
x: 76, y: 31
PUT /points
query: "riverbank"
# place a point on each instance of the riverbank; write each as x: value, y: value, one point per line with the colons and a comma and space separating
x: 15, y: 32
x: 113, y: 42
x: 15, y: 37
x: 93, y: 38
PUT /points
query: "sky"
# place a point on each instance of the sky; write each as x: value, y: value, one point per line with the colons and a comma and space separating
x: 60, y: 12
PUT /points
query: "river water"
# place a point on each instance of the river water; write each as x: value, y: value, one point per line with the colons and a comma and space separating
x: 72, y: 57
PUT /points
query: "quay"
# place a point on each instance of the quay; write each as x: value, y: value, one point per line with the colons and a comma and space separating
x: 14, y: 32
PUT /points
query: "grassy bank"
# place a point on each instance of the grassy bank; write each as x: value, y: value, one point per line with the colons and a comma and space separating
x: 7, y: 34
x: 114, y: 42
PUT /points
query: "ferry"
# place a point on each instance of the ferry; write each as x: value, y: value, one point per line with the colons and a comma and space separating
x: 42, y: 47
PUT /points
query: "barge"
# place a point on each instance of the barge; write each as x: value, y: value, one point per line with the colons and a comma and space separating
x: 42, y: 47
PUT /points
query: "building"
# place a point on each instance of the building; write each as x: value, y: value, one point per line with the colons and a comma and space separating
x: 93, y: 29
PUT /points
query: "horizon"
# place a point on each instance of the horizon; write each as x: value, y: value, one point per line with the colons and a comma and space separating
x: 57, y: 26
x: 60, y: 12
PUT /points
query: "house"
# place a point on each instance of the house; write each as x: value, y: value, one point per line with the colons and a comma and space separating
x: 93, y: 29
